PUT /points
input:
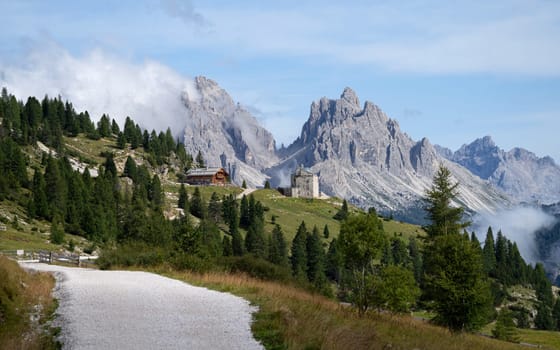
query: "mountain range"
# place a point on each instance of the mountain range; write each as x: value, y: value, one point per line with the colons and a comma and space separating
x: 362, y: 155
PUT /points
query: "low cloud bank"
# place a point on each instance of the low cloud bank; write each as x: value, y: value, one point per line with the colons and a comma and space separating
x: 150, y: 93
x: 518, y: 224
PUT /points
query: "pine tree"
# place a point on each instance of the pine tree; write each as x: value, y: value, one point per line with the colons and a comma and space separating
x: 315, y: 260
x: 342, y: 214
x: 267, y: 185
x: 228, y: 248
x: 505, y: 327
x: 326, y: 232
x: 121, y: 141
x: 244, y: 185
x: 278, y: 251
x: 130, y: 169
x: 455, y: 278
x: 155, y: 193
x: 544, y: 320
x: 489, y: 253
x: 197, y: 204
x: 299, y: 253
x: 244, y: 213
x: 38, y: 196
x: 57, y: 230
x: 416, y: 259
x: 443, y: 217
x: 399, y: 252
x: 335, y: 262
x: 215, y: 208
x: 183, y: 198
x: 115, y: 128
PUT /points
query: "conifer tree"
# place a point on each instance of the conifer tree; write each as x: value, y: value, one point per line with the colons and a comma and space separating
x: 505, y: 327
x: 115, y: 129
x: 121, y: 140
x: 443, y: 217
x: 416, y: 259
x: 455, y: 278
x: 39, y: 206
x: 197, y: 204
x: 315, y: 260
x: 278, y: 253
x: 215, y: 208
x: 244, y: 213
x: 244, y: 185
x: 326, y: 232
x: 130, y: 169
x: 183, y: 198
x: 342, y: 214
x: 335, y: 262
x: 299, y: 253
x: 228, y: 248
x: 489, y: 253
x: 155, y: 193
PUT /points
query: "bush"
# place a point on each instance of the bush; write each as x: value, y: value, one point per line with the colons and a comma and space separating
x: 132, y: 254
x: 258, y: 268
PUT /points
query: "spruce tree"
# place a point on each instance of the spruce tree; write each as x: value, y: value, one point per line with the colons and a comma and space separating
x: 197, y: 204
x: 442, y: 216
x: 299, y: 253
x: 342, y: 214
x: 183, y: 198
x: 315, y: 260
x: 505, y: 327
x: 455, y: 277
x: 130, y: 169
x: 489, y: 253
x: 215, y: 208
x: 278, y: 253
x: 326, y: 232
x: 228, y: 248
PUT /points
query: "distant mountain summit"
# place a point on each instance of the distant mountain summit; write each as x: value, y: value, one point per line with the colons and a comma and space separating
x: 227, y: 135
x: 362, y: 155
x: 519, y: 173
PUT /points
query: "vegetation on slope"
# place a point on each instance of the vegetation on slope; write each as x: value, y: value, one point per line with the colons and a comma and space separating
x: 26, y: 305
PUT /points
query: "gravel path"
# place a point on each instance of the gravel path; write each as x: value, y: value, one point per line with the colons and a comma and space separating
x: 139, y: 310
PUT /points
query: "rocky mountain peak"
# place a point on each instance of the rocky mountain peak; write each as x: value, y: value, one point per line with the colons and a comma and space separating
x: 227, y: 135
x: 350, y: 96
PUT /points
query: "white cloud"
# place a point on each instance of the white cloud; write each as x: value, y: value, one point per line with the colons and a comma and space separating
x: 518, y: 225
x: 150, y: 93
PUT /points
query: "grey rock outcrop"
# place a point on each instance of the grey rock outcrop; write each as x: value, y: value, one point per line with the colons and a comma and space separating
x: 363, y: 156
x: 227, y: 134
x: 518, y: 172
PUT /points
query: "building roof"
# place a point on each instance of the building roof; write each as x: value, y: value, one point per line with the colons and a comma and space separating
x: 205, y: 171
x: 301, y: 171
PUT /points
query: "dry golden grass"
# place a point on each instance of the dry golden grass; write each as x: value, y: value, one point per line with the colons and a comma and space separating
x: 23, y: 294
x: 290, y: 318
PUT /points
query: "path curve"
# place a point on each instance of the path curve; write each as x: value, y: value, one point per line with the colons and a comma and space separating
x: 140, y: 310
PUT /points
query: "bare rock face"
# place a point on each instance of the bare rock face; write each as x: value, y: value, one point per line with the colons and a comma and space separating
x: 227, y: 135
x: 362, y: 155
x: 519, y: 173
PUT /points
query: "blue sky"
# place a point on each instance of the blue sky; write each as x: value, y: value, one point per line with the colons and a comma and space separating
x: 449, y: 71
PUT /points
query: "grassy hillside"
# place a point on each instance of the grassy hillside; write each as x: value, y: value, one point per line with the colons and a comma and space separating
x: 290, y: 318
x: 26, y: 305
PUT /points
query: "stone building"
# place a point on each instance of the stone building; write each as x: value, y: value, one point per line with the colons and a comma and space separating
x: 305, y: 184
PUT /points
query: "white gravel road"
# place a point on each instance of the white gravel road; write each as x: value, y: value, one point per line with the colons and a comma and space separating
x: 139, y: 310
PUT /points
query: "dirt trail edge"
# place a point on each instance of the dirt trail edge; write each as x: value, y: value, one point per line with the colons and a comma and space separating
x: 140, y: 310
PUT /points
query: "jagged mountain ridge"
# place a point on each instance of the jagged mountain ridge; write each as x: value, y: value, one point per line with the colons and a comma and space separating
x: 518, y: 172
x: 362, y: 155
x: 227, y: 134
